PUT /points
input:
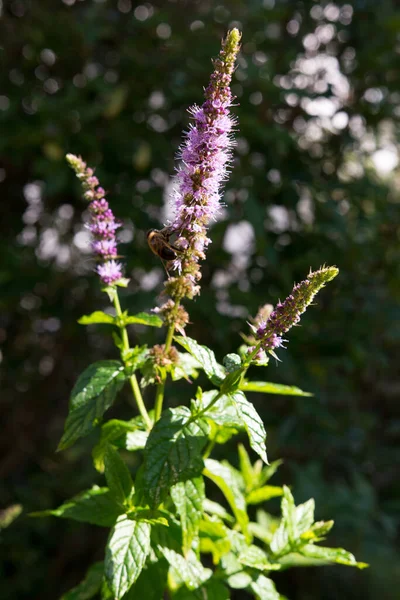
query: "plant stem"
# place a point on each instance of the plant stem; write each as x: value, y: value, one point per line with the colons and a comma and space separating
x: 132, y: 379
x: 161, y: 386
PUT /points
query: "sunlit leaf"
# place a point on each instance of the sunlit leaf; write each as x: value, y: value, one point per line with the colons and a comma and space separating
x: 117, y: 475
x: 173, y: 452
x: 188, y: 497
x: 92, y: 395
x: 206, y: 358
x: 97, y: 317
x: 272, y: 388
x: 126, y: 553
x: 96, y: 506
x: 252, y: 423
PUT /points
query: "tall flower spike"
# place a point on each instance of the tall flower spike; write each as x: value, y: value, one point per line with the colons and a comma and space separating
x: 102, y: 223
x: 269, y: 333
x: 205, y: 156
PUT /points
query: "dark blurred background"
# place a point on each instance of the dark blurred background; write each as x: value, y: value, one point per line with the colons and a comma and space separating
x: 315, y: 181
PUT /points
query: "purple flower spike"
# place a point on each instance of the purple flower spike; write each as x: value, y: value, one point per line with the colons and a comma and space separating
x: 102, y: 222
x: 269, y: 333
x: 205, y: 156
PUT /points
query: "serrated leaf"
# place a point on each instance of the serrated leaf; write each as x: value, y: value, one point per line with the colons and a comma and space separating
x: 252, y: 423
x: 186, y: 367
x: 255, y: 558
x: 263, y: 494
x: 123, y: 434
x: 213, y: 508
x: 96, y: 506
x: 92, y: 395
x: 97, y: 317
x: 214, y: 539
x: 90, y: 586
x: 335, y: 555
x: 224, y: 476
x: 173, y: 452
x: 151, y: 582
x: 117, y: 475
x: 206, y: 358
x: 126, y: 553
x: 264, y: 588
x: 188, y: 497
x: 272, y: 388
x: 135, y: 358
x: 143, y: 319
x: 188, y: 570
x: 223, y: 412
x: 305, y: 516
x: 136, y: 440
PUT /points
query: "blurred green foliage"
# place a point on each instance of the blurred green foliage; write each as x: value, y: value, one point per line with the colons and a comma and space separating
x: 314, y: 181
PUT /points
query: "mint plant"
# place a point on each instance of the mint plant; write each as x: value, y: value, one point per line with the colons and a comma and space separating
x: 167, y: 538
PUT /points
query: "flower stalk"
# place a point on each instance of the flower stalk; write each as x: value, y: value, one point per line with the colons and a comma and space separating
x: 205, y: 156
x: 268, y: 334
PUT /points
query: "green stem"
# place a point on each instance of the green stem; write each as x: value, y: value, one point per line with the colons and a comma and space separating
x: 210, y: 446
x: 161, y: 386
x: 132, y: 379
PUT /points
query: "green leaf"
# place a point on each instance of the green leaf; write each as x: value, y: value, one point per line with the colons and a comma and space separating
x: 9, y: 514
x: 188, y: 497
x: 263, y: 494
x: 255, y: 558
x: 90, y: 586
x: 213, y: 508
x: 96, y: 506
x: 126, y: 553
x: 124, y: 434
x: 213, y: 589
x: 206, y: 358
x: 186, y: 368
x: 305, y: 516
x: 252, y: 423
x: 173, y: 452
x: 214, y: 538
x: 135, y: 358
x: 335, y: 555
x: 187, y: 570
x: 264, y: 588
x: 288, y: 509
x: 151, y: 583
x: 246, y: 468
x: 223, y: 412
x: 272, y: 388
x: 143, y: 319
x: 232, y: 362
x: 236, y: 577
x: 92, y: 395
x: 117, y: 475
x: 227, y: 479
x: 97, y: 317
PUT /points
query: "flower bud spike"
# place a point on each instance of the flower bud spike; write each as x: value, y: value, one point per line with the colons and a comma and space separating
x: 102, y: 224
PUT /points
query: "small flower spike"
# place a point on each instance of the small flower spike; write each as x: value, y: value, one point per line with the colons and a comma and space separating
x: 268, y: 334
x: 102, y: 225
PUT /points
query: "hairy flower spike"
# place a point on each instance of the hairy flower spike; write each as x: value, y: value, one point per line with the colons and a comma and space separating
x: 205, y: 156
x: 102, y: 223
x: 269, y: 333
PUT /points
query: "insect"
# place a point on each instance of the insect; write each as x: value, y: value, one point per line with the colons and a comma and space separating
x: 158, y: 240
